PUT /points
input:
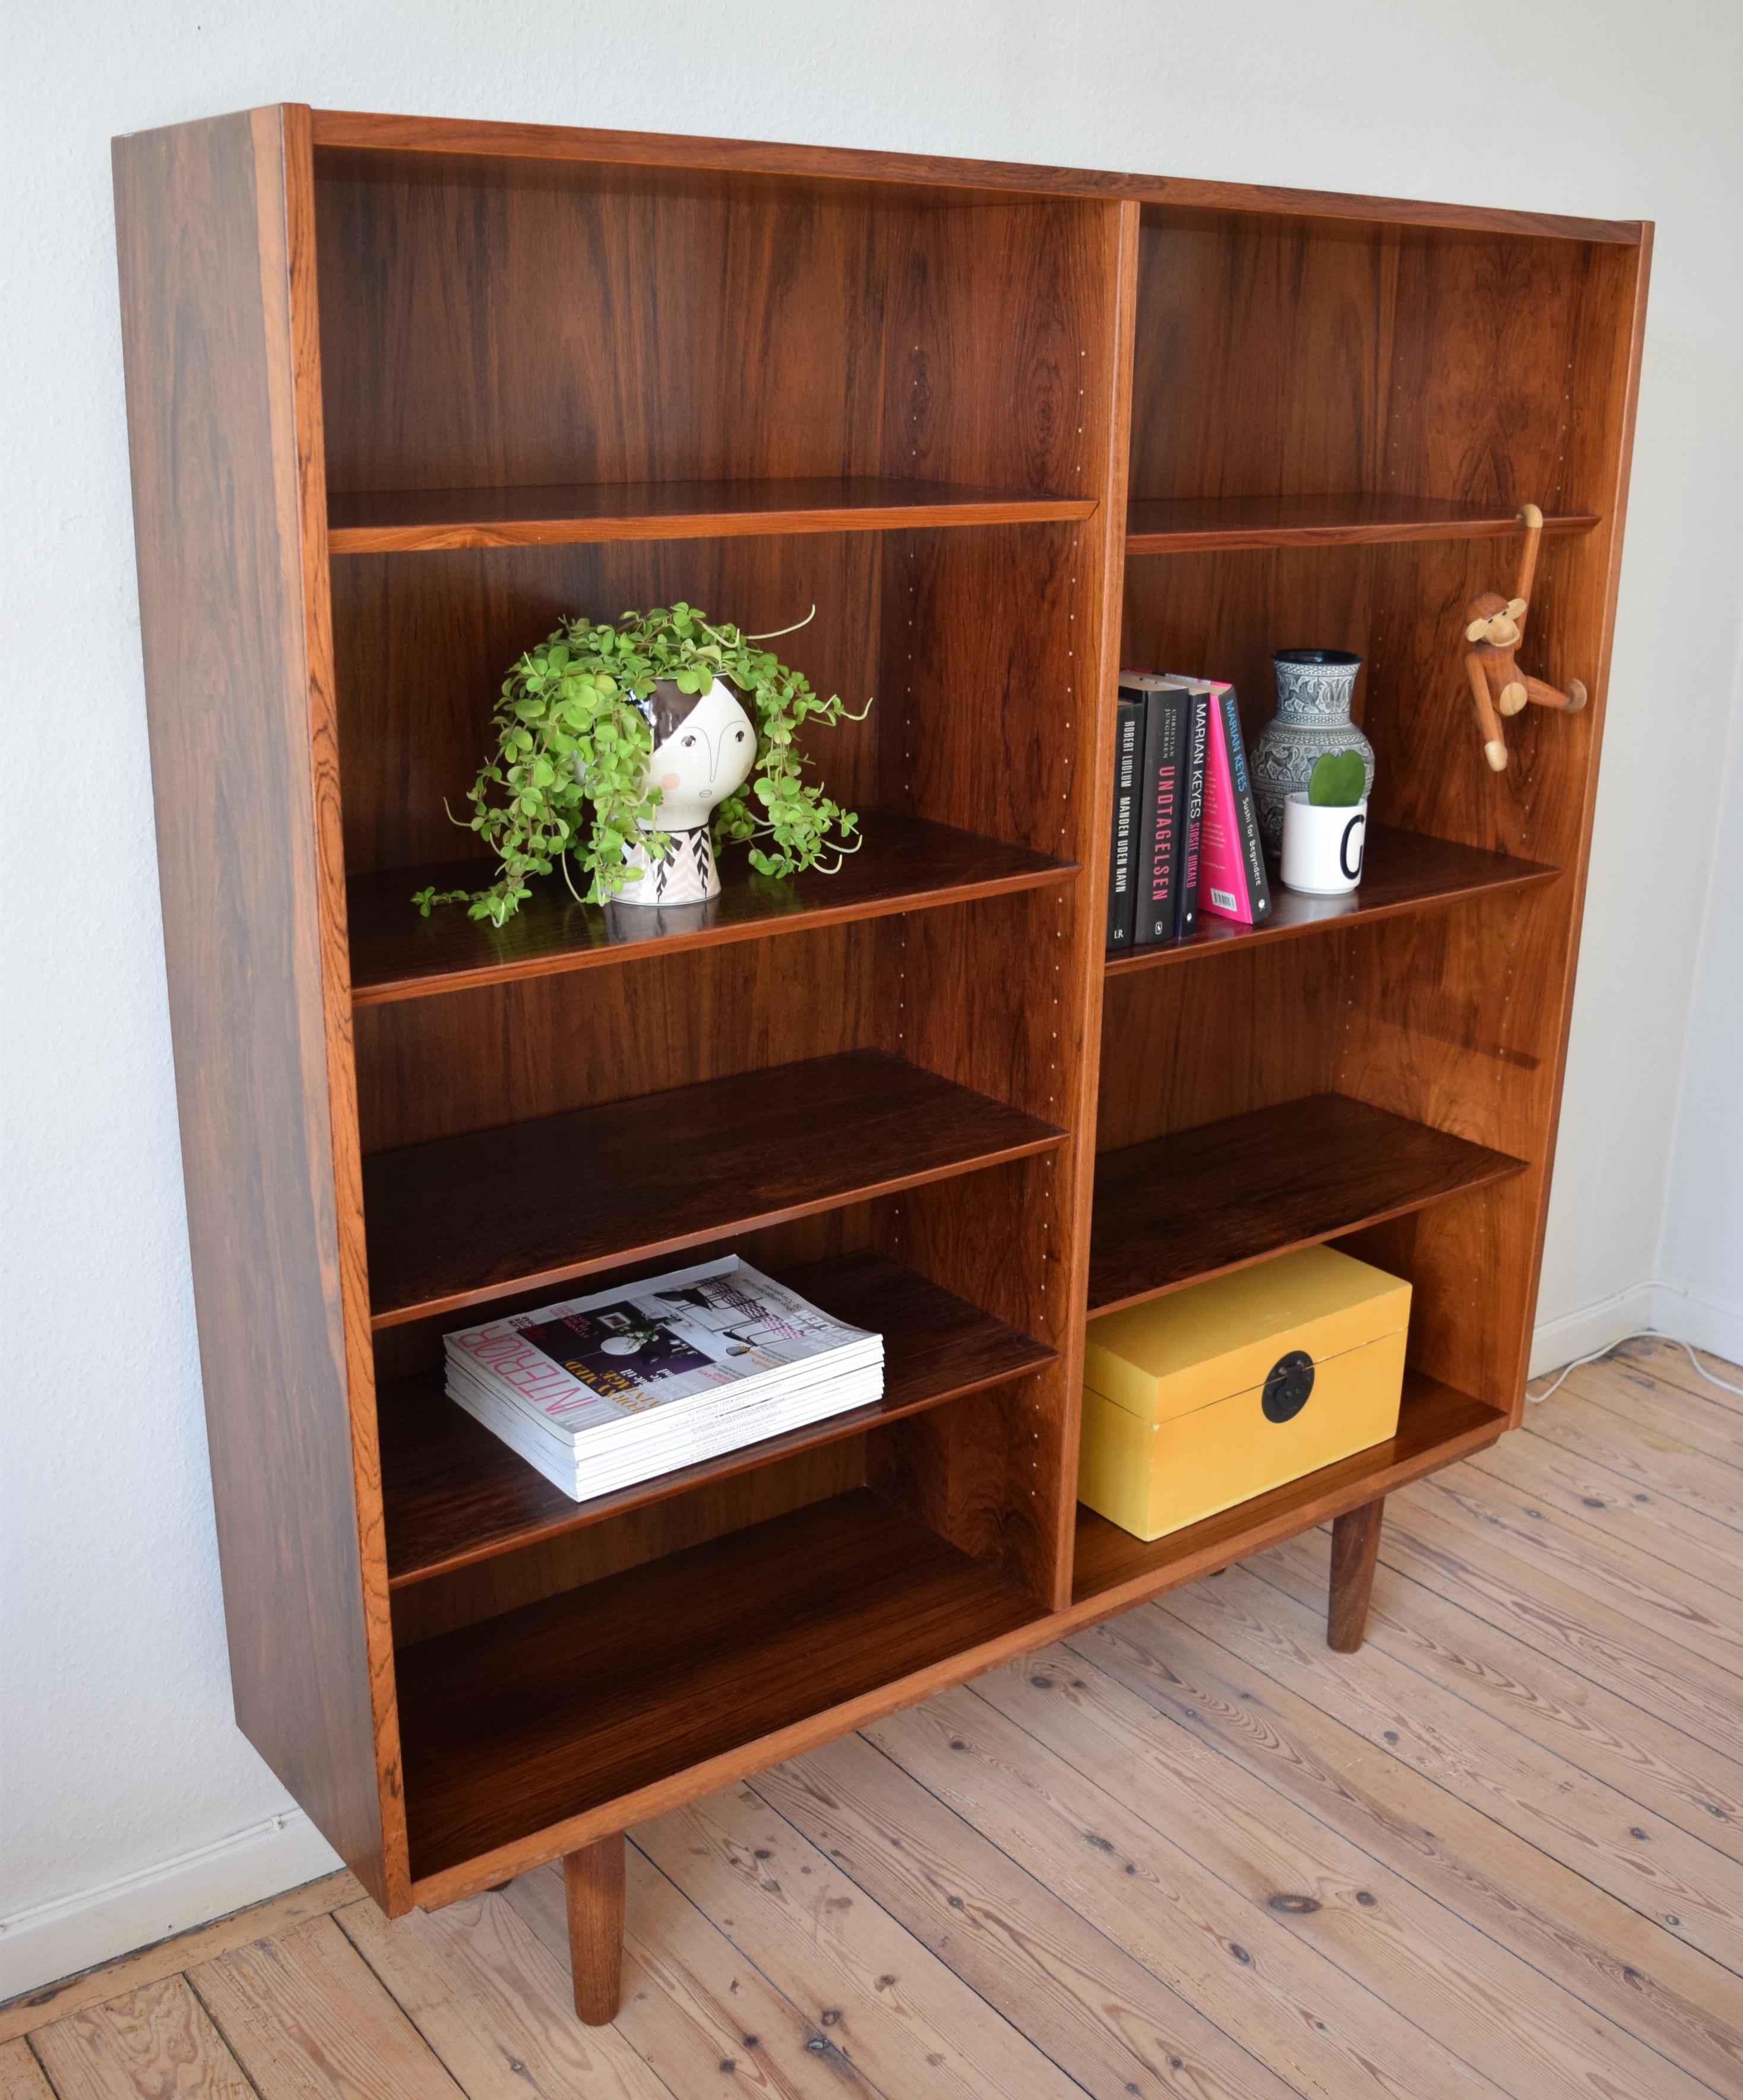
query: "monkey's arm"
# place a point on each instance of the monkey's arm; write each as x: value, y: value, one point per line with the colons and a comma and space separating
x: 1546, y: 696
x: 1532, y: 518
x: 1494, y: 744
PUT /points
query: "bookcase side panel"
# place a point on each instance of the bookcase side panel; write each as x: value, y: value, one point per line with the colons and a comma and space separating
x: 211, y: 234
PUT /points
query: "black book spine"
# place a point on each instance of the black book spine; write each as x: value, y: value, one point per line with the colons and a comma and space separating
x: 1123, y: 894
x: 1252, y: 852
x: 1159, y: 834
x: 1198, y: 741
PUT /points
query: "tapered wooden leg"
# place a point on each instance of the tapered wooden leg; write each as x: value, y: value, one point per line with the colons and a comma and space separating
x: 1355, y: 1549
x: 592, y: 1880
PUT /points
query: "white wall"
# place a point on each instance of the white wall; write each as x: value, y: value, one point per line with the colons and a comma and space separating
x: 131, y: 1805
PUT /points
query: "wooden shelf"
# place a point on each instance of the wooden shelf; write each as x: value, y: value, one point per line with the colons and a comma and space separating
x: 905, y: 864
x: 468, y: 1218
x: 544, y: 1713
x: 1200, y: 1203
x: 1436, y: 1425
x: 1198, y: 525
x: 454, y: 1493
x: 1402, y: 871
x: 401, y: 521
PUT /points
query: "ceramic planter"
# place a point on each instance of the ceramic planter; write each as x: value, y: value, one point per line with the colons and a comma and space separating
x: 704, y: 746
x: 1323, y: 845
x: 1314, y: 688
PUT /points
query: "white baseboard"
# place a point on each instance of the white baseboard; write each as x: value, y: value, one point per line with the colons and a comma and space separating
x: 1667, y: 1308
x: 1705, y: 1322
x: 1557, y: 1342
x: 75, y: 1932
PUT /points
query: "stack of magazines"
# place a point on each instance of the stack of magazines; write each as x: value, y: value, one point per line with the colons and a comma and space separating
x: 601, y: 1392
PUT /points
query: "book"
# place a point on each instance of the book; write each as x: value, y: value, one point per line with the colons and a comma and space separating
x: 1160, y: 801
x: 601, y: 1391
x: 1232, y: 880
x: 1122, y: 897
x: 1197, y: 741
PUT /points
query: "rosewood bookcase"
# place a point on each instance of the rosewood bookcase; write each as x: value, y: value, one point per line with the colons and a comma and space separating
x: 402, y: 392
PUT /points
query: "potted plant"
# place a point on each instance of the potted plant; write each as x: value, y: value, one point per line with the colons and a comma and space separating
x: 633, y: 748
x: 1326, y: 829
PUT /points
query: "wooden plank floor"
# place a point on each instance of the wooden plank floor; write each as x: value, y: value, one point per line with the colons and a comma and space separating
x: 1499, y: 1852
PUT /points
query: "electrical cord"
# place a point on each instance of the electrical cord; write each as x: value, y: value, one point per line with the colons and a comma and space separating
x: 1640, y: 1333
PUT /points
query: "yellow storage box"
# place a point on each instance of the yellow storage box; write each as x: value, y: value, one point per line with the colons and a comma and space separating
x: 1199, y: 1399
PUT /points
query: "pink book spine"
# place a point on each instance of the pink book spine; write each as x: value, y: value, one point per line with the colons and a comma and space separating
x: 1223, y: 887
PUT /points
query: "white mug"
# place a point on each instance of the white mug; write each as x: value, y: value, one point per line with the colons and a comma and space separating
x: 1322, y: 846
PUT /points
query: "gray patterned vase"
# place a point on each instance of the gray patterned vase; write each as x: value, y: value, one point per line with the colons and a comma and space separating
x: 1313, y: 690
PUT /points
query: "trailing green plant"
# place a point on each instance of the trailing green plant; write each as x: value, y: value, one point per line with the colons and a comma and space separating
x: 1338, y: 780
x: 569, y: 779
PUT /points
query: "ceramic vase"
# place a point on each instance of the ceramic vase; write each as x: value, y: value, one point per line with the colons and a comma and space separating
x: 704, y: 746
x: 1314, y: 688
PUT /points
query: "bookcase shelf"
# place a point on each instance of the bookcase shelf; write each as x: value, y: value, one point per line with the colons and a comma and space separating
x: 1401, y: 872
x: 1437, y: 1425
x: 543, y: 1713
x: 1207, y: 524
x: 401, y: 521
x: 1197, y: 1203
x: 904, y: 864
x: 464, y: 1219
x: 454, y: 1494
x: 402, y: 394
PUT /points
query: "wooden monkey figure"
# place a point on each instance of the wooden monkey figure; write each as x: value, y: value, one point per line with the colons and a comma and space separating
x: 1497, y: 626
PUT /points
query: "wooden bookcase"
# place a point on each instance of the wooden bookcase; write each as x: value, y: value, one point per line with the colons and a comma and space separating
x: 402, y: 392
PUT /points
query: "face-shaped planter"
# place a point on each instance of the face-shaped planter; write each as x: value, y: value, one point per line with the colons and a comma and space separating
x: 704, y: 746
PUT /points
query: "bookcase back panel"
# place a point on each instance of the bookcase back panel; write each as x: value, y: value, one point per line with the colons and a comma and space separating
x: 423, y: 643
x: 1286, y: 355
x: 1260, y: 366
x: 489, y: 323
x: 432, y: 1067
x: 497, y: 322
x: 1220, y: 615
x: 575, y: 1558
x: 1241, y: 1029
x: 1455, y: 1022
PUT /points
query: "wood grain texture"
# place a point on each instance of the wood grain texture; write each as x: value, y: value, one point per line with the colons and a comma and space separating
x: 593, y: 1886
x: 209, y: 227
x: 904, y: 864
x: 181, y: 1950
x: 304, y: 2014
x: 1200, y: 1202
x: 456, y: 1222
x: 455, y: 1493
x: 156, y: 2042
x: 20, y: 2075
x: 1402, y: 871
x: 1355, y: 1555
x: 566, y: 1559
x: 495, y: 2006
x: 364, y: 132
x: 518, y: 1726
x: 404, y: 520
x: 1184, y: 525
x: 908, y: 2024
